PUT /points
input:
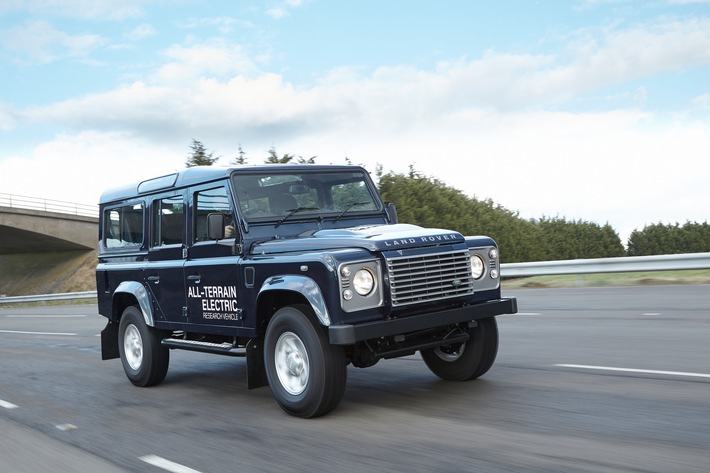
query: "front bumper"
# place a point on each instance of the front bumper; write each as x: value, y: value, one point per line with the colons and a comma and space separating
x: 349, y: 334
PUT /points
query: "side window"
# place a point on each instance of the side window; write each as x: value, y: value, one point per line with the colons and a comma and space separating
x: 123, y: 227
x: 207, y: 202
x: 168, y: 221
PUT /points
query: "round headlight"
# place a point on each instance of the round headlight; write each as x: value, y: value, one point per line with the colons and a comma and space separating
x: 477, y: 266
x: 363, y: 282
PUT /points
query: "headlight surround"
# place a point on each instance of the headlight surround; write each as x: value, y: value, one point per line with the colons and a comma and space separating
x: 478, y: 266
x: 364, y: 282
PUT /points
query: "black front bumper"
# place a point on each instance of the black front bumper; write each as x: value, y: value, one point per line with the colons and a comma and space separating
x: 349, y: 334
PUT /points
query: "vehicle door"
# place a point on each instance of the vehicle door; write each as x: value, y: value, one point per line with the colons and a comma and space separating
x: 213, y: 283
x: 166, y: 256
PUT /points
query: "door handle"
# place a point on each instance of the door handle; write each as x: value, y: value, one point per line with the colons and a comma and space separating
x: 194, y: 277
x: 154, y: 279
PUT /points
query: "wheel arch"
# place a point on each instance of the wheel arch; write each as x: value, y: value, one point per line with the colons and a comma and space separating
x: 132, y: 293
x: 280, y: 291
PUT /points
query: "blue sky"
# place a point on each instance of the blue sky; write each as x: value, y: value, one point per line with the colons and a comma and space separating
x: 586, y: 109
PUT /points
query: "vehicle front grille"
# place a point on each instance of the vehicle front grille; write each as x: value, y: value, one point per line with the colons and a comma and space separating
x: 430, y: 277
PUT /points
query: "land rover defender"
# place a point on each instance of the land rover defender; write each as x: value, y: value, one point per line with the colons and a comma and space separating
x: 301, y: 269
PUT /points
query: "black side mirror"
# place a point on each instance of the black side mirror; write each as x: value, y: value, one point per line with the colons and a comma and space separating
x: 215, y: 226
x: 392, y: 212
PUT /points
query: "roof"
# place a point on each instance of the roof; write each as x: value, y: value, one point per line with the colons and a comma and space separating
x: 202, y: 174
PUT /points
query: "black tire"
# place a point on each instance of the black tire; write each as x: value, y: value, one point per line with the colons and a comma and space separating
x: 307, y: 374
x: 144, y: 359
x: 468, y: 360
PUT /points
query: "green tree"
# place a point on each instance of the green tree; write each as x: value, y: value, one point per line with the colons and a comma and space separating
x: 273, y: 158
x: 199, y: 155
x: 667, y: 239
x: 241, y: 157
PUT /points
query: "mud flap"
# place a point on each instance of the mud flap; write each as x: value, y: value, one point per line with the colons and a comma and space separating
x: 256, y: 370
x: 109, y: 341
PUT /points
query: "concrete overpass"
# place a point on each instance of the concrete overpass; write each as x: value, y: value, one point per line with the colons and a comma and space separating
x: 31, y: 230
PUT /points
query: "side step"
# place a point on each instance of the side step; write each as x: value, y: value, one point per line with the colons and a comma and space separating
x: 205, y: 347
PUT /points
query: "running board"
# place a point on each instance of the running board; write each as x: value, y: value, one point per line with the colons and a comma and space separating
x: 205, y: 347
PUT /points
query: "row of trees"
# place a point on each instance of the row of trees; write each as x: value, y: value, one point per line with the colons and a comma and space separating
x: 428, y: 202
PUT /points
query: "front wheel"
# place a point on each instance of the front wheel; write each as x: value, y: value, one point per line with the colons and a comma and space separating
x: 144, y: 360
x: 466, y: 360
x: 307, y: 374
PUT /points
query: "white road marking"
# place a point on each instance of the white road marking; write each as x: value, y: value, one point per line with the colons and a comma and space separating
x: 7, y: 405
x: 66, y: 427
x: 40, y: 316
x: 38, y: 333
x: 167, y: 465
x: 634, y: 370
x: 528, y: 313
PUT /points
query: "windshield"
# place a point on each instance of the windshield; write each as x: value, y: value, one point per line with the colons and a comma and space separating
x: 303, y: 195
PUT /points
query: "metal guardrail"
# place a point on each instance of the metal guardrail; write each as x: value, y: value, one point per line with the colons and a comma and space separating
x: 67, y: 296
x: 625, y: 264
x: 509, y: 270
x: 47, y: 205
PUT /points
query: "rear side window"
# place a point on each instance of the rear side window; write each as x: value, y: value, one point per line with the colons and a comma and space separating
x: 123, y: 227
x: 168, y: 221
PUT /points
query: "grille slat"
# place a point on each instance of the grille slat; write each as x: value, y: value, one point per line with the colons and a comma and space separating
x: 429, y: 278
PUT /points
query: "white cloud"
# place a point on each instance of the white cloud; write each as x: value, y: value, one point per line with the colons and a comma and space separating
x: 283, y: 9
x: 39, y: 41
x: 82, y: 9
x: 7, y: 120
x: 79, y: 168
x: 142, y: 31
x: 188, y: 64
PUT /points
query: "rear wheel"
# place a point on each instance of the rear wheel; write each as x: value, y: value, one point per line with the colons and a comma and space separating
x: 466, y: 360
x: 307, y: 374
x: 144, y: 360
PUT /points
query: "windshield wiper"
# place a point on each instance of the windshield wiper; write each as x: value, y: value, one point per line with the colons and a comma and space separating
x: 291, y: 212
x: 348, y: 207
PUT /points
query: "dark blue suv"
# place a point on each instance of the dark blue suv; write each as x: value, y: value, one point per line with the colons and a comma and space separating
x: 302, y: 269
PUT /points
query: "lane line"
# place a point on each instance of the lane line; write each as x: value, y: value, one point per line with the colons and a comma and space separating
x: 38, y: 333
x: 40, y: 316
x: 166, y: 465
x: 634, y: 370
x: 7, y: 405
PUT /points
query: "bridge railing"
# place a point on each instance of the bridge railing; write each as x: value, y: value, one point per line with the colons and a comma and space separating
x: 48, y: 205
x: 510, y: 270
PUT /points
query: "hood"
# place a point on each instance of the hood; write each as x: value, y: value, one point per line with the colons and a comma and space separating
x: 372, y: 238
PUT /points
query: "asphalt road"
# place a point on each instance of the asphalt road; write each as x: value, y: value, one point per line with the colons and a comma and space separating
x: 586, y: 380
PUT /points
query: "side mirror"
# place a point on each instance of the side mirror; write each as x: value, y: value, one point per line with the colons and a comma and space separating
x: 215, y: 226
x: 392, y: 212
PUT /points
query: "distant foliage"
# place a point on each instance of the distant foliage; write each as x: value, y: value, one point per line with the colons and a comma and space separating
x: 199, y: 155
x: 660, y: 239
x: 430, y: 203
x: 274, y: 158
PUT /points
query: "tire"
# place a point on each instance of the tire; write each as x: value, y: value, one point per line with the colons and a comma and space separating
x: 467, y: 360
x: 307, y: 374
x: 144, y: 359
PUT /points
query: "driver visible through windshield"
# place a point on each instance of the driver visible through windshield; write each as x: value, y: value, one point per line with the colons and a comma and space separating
x: 282, y: 196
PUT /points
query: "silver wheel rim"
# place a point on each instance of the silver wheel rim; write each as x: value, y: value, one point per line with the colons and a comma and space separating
x: 450, y: 352
x: 291, y: 360
x: 133, y: 347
